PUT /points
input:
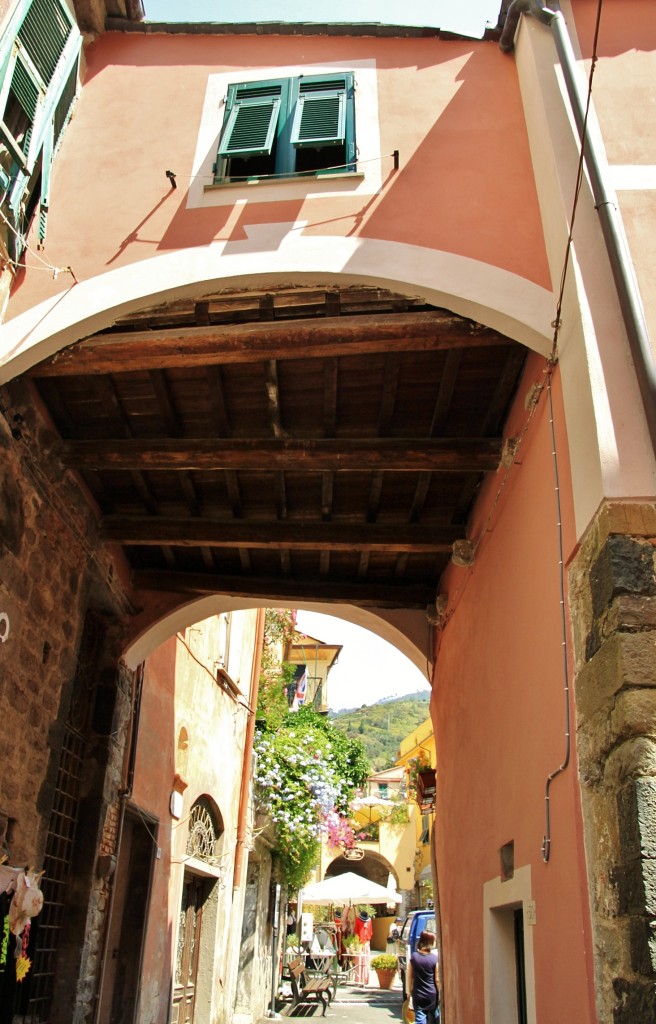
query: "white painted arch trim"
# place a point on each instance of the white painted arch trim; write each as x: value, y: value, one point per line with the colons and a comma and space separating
x: 407, y: 630
x: 280, y: 254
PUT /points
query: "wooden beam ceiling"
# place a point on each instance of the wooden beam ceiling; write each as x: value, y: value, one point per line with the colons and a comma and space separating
x: 300, y: 536
x: 292, y: 589
x: 167, y: 348
x: 408, y: 455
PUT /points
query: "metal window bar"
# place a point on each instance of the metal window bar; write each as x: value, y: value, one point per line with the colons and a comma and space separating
x: 57, y: 868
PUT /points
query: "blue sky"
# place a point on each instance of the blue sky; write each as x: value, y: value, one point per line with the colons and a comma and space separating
x: 467, y: 17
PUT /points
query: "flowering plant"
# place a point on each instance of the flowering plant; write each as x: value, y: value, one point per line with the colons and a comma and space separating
x: 299, y: 785
x: 339, y: 832
x: 305, y: 769
x: 414, y: 767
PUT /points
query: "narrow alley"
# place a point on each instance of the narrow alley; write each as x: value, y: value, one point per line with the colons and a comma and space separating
x: 352, y: 318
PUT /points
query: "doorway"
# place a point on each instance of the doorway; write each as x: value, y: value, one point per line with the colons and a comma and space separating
x: 127, y: 929
x: 195, y: 891
x: 508, y: 909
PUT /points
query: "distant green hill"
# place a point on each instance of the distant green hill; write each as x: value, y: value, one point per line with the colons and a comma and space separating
x: 382, y: 726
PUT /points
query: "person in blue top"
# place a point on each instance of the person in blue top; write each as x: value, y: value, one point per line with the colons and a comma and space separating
x: 423, y: 981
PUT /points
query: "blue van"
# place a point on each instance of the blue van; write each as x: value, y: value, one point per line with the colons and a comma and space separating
x: 415, y: 923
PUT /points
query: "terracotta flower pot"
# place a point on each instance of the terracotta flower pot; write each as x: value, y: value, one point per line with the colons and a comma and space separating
x: 385, y: 977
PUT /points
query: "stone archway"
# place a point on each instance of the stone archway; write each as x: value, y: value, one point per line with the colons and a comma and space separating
x: 372, y: 866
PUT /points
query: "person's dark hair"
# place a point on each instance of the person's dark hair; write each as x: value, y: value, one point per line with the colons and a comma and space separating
x: 426, y: 940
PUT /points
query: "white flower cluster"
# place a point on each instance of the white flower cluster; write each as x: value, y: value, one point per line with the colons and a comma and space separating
x: 296, y: 781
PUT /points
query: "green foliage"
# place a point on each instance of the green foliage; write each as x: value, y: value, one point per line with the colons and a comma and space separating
x: 306, y: 770
x: 274, y: 675
x: 350, y: 758
x: 382, y: 726
x: 398, y: 815
x: 384, y: 962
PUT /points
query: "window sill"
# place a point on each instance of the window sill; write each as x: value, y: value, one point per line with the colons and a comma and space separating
x: 293, y: 178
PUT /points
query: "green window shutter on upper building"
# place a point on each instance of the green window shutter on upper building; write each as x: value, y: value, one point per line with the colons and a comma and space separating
x: 43, y: 33
x: 320, y: 112
x: 252, y: 119
x: 288, y: 127
x: 39, y: 57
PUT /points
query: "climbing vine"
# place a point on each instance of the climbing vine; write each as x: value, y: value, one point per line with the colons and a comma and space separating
x: 306, y: 770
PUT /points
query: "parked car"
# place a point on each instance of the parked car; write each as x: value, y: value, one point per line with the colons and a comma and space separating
x: 416, y: 922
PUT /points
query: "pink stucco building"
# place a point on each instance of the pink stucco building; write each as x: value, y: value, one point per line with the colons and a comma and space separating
x: 339, y: 318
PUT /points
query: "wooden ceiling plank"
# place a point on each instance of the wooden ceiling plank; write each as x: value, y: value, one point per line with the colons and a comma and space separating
x: 281, y: 496
x: 330, y: 388
x: 165, y: 403
x: 389, y: 392
x: 505, y: 388
x: 375, y: 494
x: 401, y: 566
x: 234, y: 493
x: 183, y: 346
x: 420, y: 495
x: 189, y: 491
x: 445, y: 392
x: 273, y: 398
x: 217, y: 400
x: 453, y: 455
x: 294, y: 589
x: 327, y: 495
x: 195, y: 532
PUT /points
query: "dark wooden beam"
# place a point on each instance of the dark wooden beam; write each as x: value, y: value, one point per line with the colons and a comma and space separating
x: 411, y: 455
x: 196, y: 532
x: 294, y: 589
x: 255, y: 342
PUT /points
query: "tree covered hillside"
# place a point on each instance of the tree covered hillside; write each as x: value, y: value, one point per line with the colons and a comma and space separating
x: 382, y: 726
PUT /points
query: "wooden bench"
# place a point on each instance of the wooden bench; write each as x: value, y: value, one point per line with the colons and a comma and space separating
x: 306, y: 989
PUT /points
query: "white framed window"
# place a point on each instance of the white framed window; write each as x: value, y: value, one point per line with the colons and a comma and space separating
x: 210, y: 184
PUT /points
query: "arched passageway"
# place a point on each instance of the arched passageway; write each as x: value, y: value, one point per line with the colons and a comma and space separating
x: 373, y: 866
x: 300, y: 445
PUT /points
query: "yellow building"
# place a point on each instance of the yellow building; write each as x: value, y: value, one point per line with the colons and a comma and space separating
x: 313, y: 660
x: 418, y: 756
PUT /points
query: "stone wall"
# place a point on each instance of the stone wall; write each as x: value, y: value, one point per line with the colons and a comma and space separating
x: 613, y: 598
x: 55, y: 578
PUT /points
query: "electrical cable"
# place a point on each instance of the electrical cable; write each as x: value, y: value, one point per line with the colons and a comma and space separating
x: 546, y: 841
x: 284, y: 175
x: 55, y: 271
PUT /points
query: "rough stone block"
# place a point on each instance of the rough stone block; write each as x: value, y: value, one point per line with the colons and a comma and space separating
x: 632, y: 760
x: 624, y: 566
x: 636, y: 812
x: 624, y: 660
x: 636, y: 1001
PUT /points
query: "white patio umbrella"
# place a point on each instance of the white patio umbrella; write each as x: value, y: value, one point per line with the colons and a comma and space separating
x: 347, y: 889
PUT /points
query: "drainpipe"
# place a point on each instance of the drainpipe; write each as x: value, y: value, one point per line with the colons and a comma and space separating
x: 242, y: 821
x: 611, y: 226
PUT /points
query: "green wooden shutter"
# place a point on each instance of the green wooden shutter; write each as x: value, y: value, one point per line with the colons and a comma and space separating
x: 320, y: 111
x: 39, y: 50
x: 252, y: 118
x: 43, y: 33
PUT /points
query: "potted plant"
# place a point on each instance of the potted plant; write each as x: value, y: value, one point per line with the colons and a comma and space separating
x: 385, y: 965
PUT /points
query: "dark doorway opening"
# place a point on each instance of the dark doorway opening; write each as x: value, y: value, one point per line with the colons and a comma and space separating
x: 127, y: 928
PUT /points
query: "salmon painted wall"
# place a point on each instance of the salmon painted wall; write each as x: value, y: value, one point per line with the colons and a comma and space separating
x: 452, y: 109
x: 154, y: 771
x: 499, y: 716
